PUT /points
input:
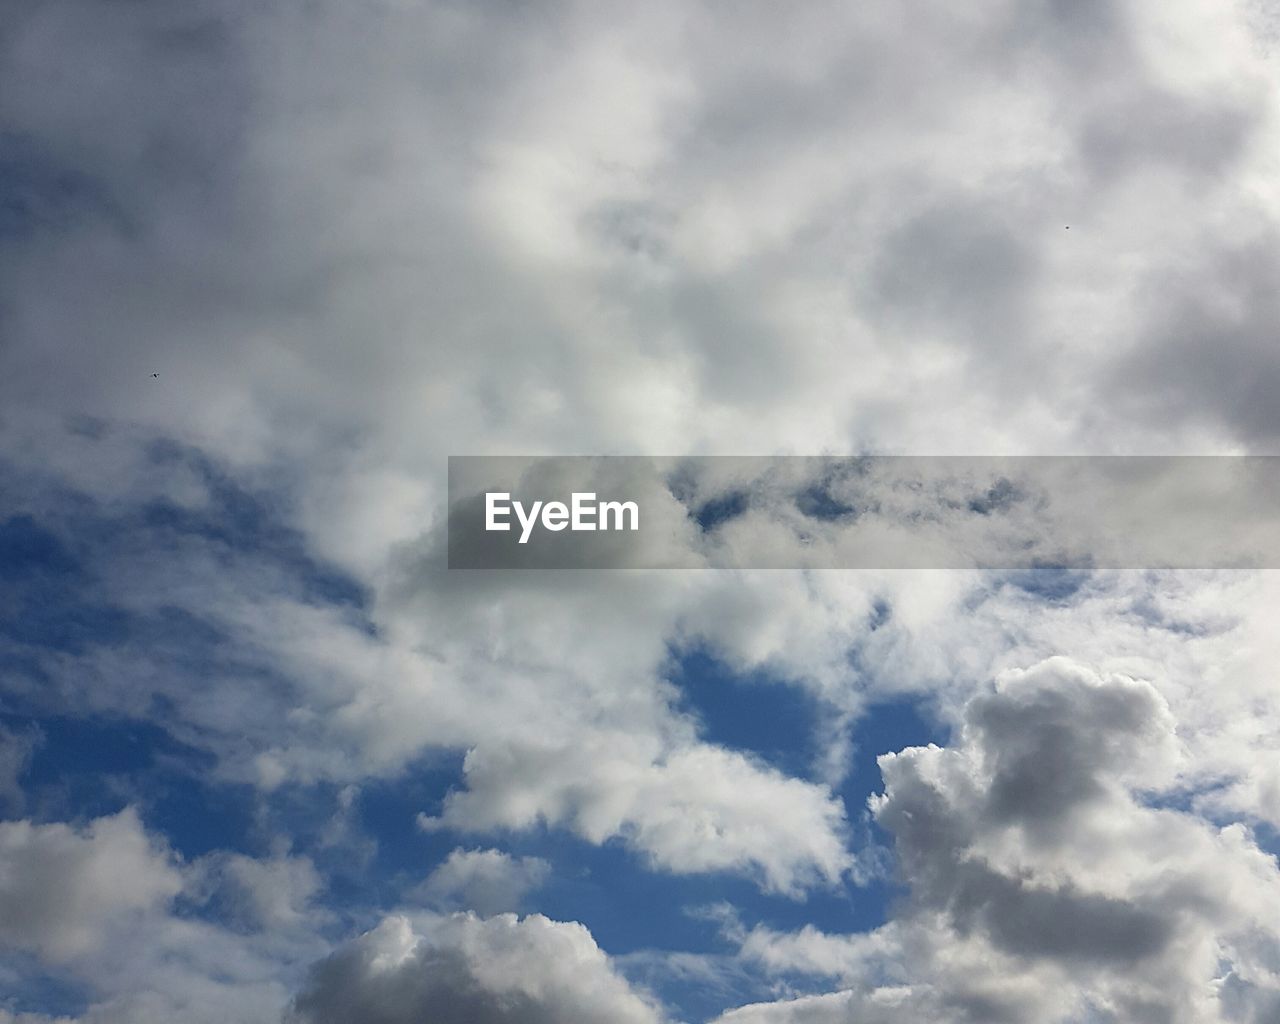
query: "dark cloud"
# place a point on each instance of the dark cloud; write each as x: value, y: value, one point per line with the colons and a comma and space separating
x: 1210, y: 348
x: 1151, y: 128
x: 991, y: 834
x: 1049, y: 750
x: 960, y: 263
x: 1060, y: 922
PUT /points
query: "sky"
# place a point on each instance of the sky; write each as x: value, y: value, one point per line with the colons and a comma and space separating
x: 265, y: 267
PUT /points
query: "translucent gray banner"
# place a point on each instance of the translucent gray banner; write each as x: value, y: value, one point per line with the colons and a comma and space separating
x: 865, y: 512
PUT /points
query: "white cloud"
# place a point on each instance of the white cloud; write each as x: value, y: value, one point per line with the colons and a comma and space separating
x: 464, y: 970
x: 97, y: 904
x: 486, y: 881
x: 65, y: 890
x: 691, y: 810
x: 272, y: 893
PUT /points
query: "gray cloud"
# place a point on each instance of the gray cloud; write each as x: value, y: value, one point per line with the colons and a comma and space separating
x: 1064, y: 898
x: 1208, y: 349
x: 1047, y: 748
x: 960, y: 265
x: 1191, y: 134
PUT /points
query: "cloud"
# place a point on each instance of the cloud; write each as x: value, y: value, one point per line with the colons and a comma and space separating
x: 1041, y: 885
x: 355, y: 239
x: 719, y: 219
x: 1205, y: 350
x: 271, y: 893
x: 463, y: 970
x: 65, y: 890
x: 111, y: 913
x: 284, y: 635
x: 688, y: 810
x: 1055, y: 740
x: 16, y: 749
x: 486, y: 881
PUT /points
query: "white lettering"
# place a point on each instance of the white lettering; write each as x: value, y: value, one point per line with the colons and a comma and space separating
x: 526, y: 525
x: 492, y: 510
x: 582, y: 513
x: 581, y: 509
x: 618, y: 508
x: 560, y: 513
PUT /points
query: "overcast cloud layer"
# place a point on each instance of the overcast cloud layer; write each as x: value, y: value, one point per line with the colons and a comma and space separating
x: 263, y: 268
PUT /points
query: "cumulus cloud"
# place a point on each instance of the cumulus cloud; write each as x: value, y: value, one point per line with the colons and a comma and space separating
x: 108, y: 909
x: 1042, y: 884
x: 463, y: 970
x: 64, y: 890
